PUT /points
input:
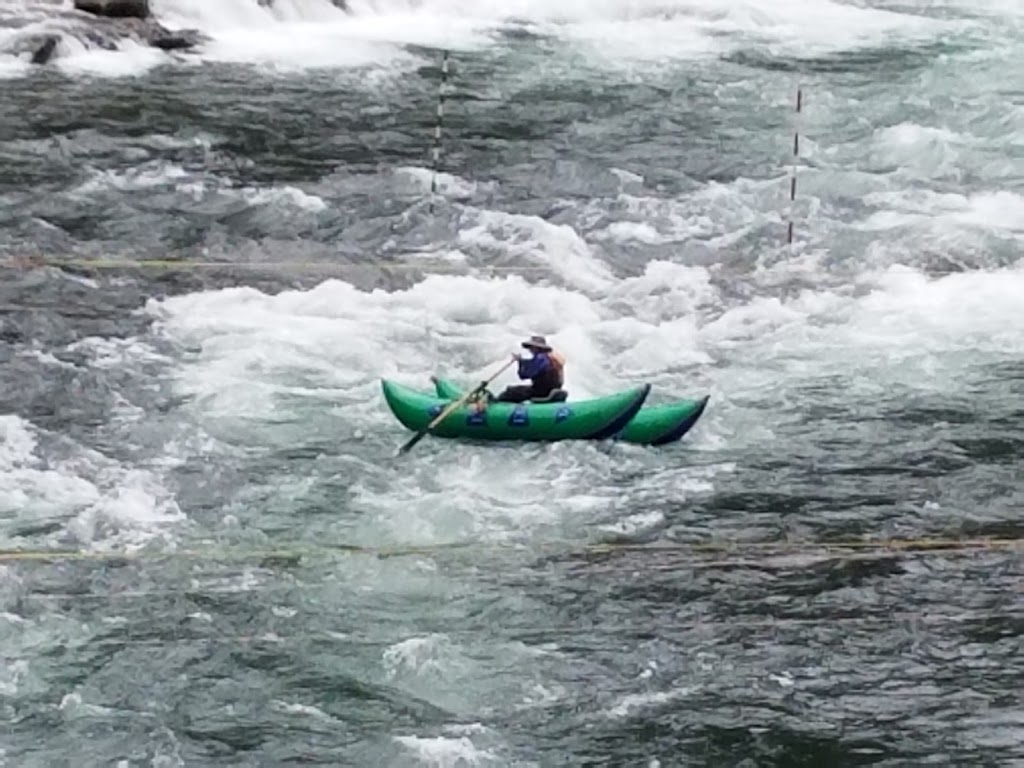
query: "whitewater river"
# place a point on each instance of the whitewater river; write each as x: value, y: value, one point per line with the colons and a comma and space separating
x: 614, y: 175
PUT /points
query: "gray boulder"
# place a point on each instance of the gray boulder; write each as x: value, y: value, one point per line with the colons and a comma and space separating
x: 38, y: 48
x: 115, y: 9
x: 175, y: 40
x: 39, y: 31
x: 45, y: 50
x: 105, y: 34
x: 109, y: 33
x: 342, y: 4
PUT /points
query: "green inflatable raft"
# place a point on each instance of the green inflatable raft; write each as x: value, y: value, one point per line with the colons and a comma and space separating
x: 598, y: 419
x: 653, y: 425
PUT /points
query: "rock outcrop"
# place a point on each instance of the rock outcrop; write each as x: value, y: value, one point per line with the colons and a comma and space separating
x: 45, y: 50
x: 341, y: 4
x: 103, y: 24
x: 39, y: 48
x: 176, y: 40
x: 107, y: 33
x: 115, y: 9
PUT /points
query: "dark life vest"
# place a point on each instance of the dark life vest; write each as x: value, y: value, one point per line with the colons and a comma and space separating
x: 551, y: 377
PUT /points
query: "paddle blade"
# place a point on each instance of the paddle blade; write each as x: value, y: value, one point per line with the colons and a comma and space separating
x: 411, y: 442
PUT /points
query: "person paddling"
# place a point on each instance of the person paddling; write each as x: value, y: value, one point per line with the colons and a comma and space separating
x: 545, y: 370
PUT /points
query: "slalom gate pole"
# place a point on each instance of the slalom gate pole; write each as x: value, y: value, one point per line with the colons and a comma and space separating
x: 793, y: 167
x: 437, y: 127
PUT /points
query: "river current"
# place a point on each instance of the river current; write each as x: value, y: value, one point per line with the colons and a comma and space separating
x: 251, y: 578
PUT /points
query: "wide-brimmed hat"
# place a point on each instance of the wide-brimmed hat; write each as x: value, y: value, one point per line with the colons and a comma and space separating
x: 537, y: 342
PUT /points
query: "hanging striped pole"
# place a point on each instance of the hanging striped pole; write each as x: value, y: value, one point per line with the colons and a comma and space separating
x: 437, y: 127
x: 796, y: 160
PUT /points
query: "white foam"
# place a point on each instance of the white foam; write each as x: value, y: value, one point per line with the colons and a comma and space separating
x: 447, y: 184
x: 447, y: 752
x: 146, y: 176
x: 233, y: 14
x: 928, y: 152
x: 286, y: 195
x: 477, y: 499
x: 305, y: 710
x: 648, y: 29
x: 720, y: 214
x: 908, y: 314
x: 999, y: 209
x: 112, y: 352
x: 639, y: 231
x: 132, y: 59
x: 302, y: 34
x: 26, y: 487
x: 667, y: 325
x: 948, y: 212
x: 346, y: 336
x: 430, y: 655
x: 101, y: 503
x: 12, y: 676
x: 302, y: 46
x: 12, y: 68
x: 159, y: 174
x: 558, y: 248
x: 630, y: 703
x: 128, y: 516
x: 72, y: 705
x: 73, y: 55
x: 635, y: 525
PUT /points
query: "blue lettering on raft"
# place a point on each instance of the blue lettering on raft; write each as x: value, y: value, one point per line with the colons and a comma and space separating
x: 519, y: 417
x: 562, y: 414
x: 477, y: 417
x: 435, y: 410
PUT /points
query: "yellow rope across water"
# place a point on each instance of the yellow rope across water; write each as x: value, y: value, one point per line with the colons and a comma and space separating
x: 111, y: 263
x: 33, y: 262
x: 846, y: 549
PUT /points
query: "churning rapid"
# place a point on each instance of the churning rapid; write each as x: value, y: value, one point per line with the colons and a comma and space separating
x: 251, y: 577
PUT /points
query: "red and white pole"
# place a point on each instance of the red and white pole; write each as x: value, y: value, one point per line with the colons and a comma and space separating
x: 796, y: 160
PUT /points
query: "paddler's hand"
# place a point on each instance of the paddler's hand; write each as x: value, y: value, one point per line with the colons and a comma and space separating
x: 516, y: 356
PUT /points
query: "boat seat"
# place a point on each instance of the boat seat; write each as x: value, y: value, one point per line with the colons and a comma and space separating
x: 554, y: 396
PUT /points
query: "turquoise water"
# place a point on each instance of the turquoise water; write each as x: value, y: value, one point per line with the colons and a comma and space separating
x: 615, y: 177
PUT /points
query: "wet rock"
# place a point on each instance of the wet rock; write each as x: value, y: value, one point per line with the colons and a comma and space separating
x: 46, y: 49
x: 115, y: 9
x: 109, y: 33
x: 40, y: 48
x: 43, y: 47
x: 95, y: 38
x: 98, y: 24
x: 176, y: 40
x: 342, y: 4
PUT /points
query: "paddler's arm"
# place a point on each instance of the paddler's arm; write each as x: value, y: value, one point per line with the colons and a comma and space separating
x: 533, y: 367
